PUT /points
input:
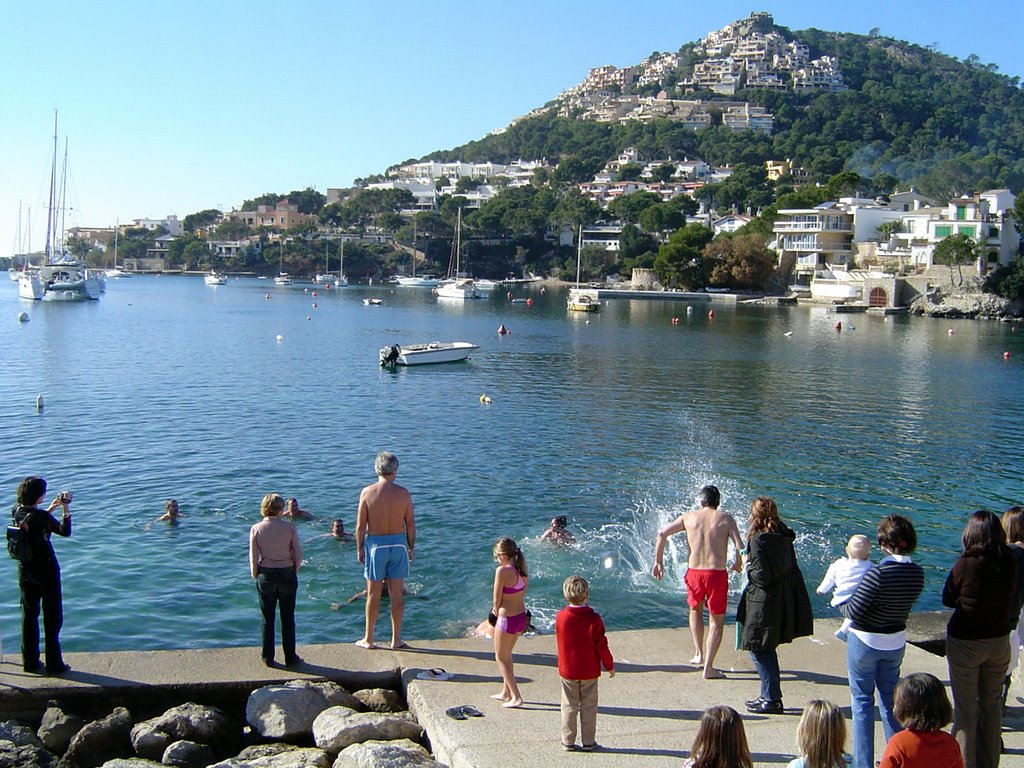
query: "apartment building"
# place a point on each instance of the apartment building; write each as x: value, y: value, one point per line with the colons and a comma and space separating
x: 283, y: 215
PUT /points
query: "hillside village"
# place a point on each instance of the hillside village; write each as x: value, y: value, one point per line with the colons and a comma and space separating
x: 893, y: 234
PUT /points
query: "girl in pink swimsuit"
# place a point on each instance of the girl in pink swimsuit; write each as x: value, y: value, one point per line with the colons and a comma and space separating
x: 510, y: 579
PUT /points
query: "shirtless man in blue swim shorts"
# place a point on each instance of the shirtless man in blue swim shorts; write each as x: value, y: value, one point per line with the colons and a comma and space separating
x: 385, y: 535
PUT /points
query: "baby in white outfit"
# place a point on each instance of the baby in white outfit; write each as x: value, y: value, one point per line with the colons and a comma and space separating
x: 844, y: 575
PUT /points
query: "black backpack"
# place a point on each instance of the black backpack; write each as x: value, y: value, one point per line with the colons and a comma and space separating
x: 18, y: 545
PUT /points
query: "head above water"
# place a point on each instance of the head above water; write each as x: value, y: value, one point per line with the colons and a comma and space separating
x: 31, y: 490
x: 709, y: 496
x: 576, y: 590
x: 858, y: 547
x: 386, y: 464
x: 338, y: 527
x: 171, y: 507
x: 559, y: 522
x: 272, y: 505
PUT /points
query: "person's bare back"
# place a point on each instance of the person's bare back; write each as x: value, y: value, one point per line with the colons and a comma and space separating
x: 387, y: 507
x: 708, y: 531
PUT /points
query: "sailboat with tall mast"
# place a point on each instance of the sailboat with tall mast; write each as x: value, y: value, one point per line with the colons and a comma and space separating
x: 414, y: 280
x: 578, y: 300
x: 116, y: 271
x: 326, y: 278
x: 282, y: 276
x: 460, y: 285
x: 61, y: 277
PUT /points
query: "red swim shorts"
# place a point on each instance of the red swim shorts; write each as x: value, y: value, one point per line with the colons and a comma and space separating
x: 704, y: 584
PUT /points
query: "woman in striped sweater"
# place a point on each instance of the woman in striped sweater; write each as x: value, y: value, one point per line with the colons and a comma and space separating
x: 878, y: 637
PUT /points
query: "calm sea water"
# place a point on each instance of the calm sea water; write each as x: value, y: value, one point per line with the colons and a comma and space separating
x: 168, y: 387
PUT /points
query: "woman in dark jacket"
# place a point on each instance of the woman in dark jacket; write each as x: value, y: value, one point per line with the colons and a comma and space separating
x: 981, y: 589
x: 39, y: 577
x: 774, y: 607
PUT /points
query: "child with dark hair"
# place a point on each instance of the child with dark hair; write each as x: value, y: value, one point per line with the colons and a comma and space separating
x: 720, y: 742
x: 923, y: 709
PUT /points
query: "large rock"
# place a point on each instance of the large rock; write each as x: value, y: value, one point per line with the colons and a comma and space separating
x: 17, y: 733
x: 102, y: 740
x: 131, y: 762
x: 24, y: 756
x: 381, y: 700
x: 188, y: 722
x: 288, y: 711
x: 58, y: 728
x: 338, y: 727
x: 189, y: 754
x: 386, y: 754
x: 294, y: 757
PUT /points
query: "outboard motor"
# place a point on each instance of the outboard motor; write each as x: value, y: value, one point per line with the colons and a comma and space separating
x: 391, y: 358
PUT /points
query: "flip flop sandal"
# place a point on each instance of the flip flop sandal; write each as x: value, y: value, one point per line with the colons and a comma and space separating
x: 455, y: 713
x: 471, y: 711
x: 434, y: 674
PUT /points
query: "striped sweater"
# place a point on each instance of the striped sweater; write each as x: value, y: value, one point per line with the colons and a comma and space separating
x: 885, y: 596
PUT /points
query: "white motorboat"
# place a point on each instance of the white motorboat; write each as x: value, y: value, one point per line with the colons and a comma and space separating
x: 215, y: 278
x: 418, y: 281
x: 424, y: 354
x: 372, y: 302
x: 458, y: 286
x: 486, y: 285
x: 579, y: 301
x: 283, y: 279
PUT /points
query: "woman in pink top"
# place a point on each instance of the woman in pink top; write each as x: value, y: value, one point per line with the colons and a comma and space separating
x: 508, y: 615
x: 275, y: 555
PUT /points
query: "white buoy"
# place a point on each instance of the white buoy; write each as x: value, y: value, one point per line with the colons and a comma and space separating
x: 23, y: 317
x: 39, y: 404
x: 280, y: 337
x: 788, y: 333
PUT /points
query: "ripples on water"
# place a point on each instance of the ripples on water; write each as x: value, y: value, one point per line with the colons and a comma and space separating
x: 167, y: 387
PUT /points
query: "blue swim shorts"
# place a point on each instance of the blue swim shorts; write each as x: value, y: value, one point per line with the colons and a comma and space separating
x: 386, y: 557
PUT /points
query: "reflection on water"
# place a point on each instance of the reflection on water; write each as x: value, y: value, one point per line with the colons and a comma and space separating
x: 167, y: 387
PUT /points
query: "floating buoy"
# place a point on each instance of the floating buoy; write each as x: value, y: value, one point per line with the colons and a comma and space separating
x: 309, y: 317
x: 509, y: 294
x: 267, y: 296
x: 542, y: 291
x: 485, y: 399
x: 1006, y: 356
x: 40, y: 405
x: 711, y: 313
x: 675, y: 321
x: 314, y: 296
x: 23, y: 317
x: 950, y: 332
x: 838, y: 326
x: 529, y: 302
x: 280, y: 337
x: 689, y: 310
x: 314, y: 305
x: 502, y: 330
x: 788, y: 333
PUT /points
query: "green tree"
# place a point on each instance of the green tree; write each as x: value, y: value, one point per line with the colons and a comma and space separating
x: 636, y: 249
x: 679, y: 260
x: 200, y: 219
x: 661, y: 217
x: 629, y: 172
x: 629, y: 207
x: 955, y: 251
x: 78, y: 247
x: 664, y: 172
x: 231, y: 230
x: 844, y: 184
x: 741, y: 261
x: 196, y: 255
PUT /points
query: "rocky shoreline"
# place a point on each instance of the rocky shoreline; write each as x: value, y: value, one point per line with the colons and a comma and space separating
x: 967, y: 301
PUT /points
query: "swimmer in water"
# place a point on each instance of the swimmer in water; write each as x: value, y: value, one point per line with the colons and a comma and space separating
x: 171, y: 513
x: 557, y: 533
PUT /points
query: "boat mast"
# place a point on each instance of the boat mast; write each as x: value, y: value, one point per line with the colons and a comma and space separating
x: 414, y: 246
x: 579, y: 255
x: 117, y: 227
x: 341, y: 260
x: 50, y: 218
x: 62, y: 206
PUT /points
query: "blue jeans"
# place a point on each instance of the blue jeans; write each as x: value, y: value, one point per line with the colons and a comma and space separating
x: 277, y: 588
x: 870, y: 669
x: 767, y: 665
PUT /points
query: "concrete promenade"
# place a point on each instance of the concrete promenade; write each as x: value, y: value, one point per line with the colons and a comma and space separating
x: 648, y: 713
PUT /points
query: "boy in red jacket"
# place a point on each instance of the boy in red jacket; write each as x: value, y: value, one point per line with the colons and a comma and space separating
x: 582, y: 650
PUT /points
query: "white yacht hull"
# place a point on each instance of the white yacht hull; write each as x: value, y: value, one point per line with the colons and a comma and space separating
x: 425, y: 354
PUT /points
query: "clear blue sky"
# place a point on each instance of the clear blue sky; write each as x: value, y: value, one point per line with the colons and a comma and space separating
x: 181, y: 106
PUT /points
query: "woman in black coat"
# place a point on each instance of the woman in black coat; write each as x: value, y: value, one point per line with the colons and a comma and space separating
x: 774, y: 607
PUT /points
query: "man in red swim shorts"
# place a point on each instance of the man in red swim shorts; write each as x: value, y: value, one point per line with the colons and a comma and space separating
x: 708, y: 532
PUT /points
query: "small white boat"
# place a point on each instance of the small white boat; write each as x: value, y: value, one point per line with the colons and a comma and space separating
x: 418, y: 281
x: 424, y: 354
x: 582, y: 302
x: 215, y: 278
x: 373, y: 302
x: 463, y: 288
x: 117, y: 272
x: 283, y: 279
x: 487, y: 285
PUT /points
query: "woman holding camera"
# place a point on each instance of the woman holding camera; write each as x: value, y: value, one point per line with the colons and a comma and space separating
x: 39, y: 576
x: 275, y: 556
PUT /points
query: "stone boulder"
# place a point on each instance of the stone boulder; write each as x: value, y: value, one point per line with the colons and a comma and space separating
x: 24, y: 756
x: 381, y: 700
x: 58, y: 727
x: 288, y: 757
x: 17, y: 733
x: 131, y: 762
x: 187, y: 722
x: 288, y: 711
x: 386, y: 754
x: 338, y: 727
x: 102, y: 740
x: 189, y: 754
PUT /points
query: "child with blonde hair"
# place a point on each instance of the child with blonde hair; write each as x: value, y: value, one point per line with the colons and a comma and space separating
x: 844, y: 575
x: 821, y: 737
x: 582, y: 651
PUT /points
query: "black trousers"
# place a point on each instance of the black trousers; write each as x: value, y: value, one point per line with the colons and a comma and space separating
x: 41, y: 589
x: 277, y: 588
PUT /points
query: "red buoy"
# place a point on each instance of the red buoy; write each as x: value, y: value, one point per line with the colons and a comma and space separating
x: 1006, y: 355
x: 839, y: 326
x: 711, y: 313
x: 529, y: 302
